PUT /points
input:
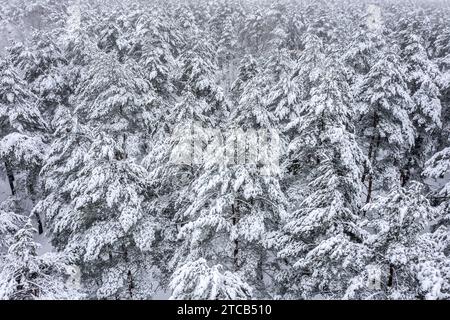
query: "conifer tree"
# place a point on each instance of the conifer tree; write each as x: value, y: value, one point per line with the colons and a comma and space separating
x: 437, y: 168
x: 22, y: 144
x: 387, y: 131
x: 422, y: 76
x: 43, y: 62
x: 10, y: 223
x: 247, y: 69
x: 100, y: 207
x: 321, y: 237
x: 406, y: 261
x: 24, y: 275
x: 238, y: 198
x: 284, y: 96
x: 223, y: 149
x: 198, y: 281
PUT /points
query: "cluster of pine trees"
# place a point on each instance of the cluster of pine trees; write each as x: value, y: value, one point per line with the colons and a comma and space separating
x: 94, y: 95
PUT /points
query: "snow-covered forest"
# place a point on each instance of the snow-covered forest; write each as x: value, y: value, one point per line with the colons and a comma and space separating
x: 214, y: 149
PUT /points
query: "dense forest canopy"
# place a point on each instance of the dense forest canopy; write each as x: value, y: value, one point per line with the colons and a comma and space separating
x: 220, y: 149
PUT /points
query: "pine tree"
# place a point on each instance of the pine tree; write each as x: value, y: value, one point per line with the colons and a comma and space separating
x: 112, y: 30
x: 10, y: 223
x: 186, y: 23
x: 252, y: 34
x: 25, y: 275
x: 101, y: 219
x: 247, y: 69
x: 43, y: 65
x: 422, y: 77
x: 284, y: 96
x: 22, y: 145
x: 227, y: 42
x: 153, y: 48
x: 437, y: 168
x: 163, y: 166
x: 19, y: 113
x: 319, y: 21
x: 309, y: 64
x: 322, y: 240
x: 197, y: 281
x: 227, y: 52
x: 364, y: 48
x: 275, y: 20
x: 198, y: 66
x: 236, y: 199
x: 442, y: 47
x: 442, y: 59
x: 304, y: 76
x: 387, y: 131
x: 294, y: 29
x: 79, y: 50
x: 183, y: 130
x: 405, y: 262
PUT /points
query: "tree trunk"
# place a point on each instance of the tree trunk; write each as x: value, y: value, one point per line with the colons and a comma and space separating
x: 39, y: 222
x: 369, y: 189
x: 230, y: 75
x: 192, y: 147
x: 391, y: 276
x: 235, y: 213
x: 235, y: 220
x: 235, y: 145
x: 10, y: 174
x: 404, y: 176
x: 130, y: 280
x: 246, y: 151
x: 130, y: 284
x: 405, y: 173
x: 31, y: 181
x: 371, y: 147
x: 373, y: 157
x: 260, y: 271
